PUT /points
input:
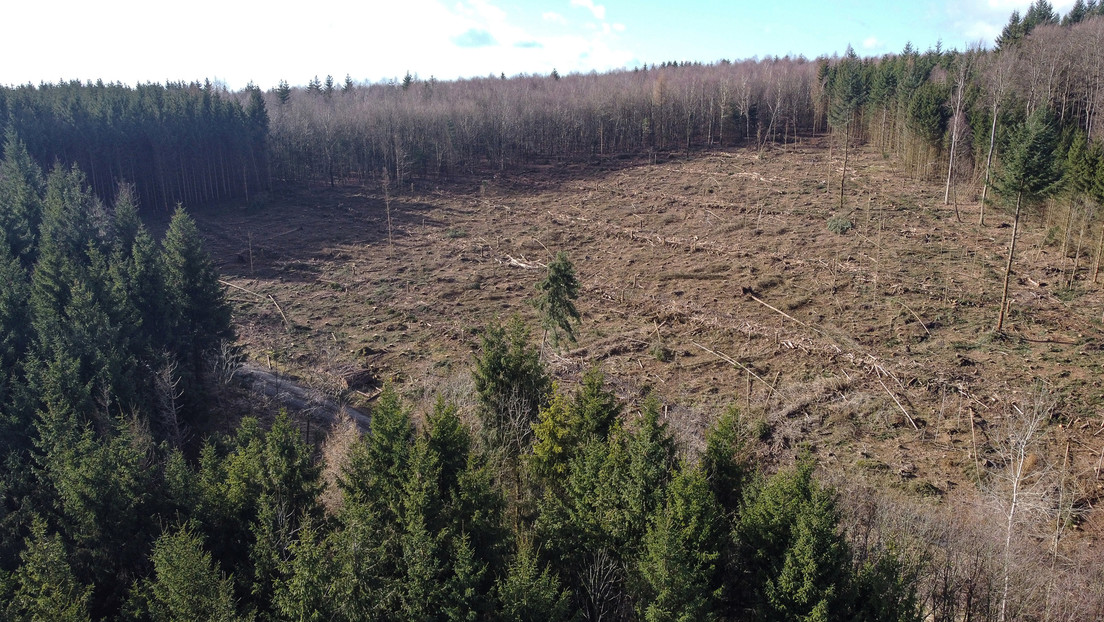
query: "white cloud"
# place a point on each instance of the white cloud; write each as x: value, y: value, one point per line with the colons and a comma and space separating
x: 598, y: 10
x: 134, y: 41
x: 985, y: 19
x: 871, y: 43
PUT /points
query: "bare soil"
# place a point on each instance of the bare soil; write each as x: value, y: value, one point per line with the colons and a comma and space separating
x: 711, y: 279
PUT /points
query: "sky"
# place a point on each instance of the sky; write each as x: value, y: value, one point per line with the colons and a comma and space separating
x: 235, y: 42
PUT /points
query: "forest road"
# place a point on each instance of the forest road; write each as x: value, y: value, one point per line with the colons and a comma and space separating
x: 298, y: 397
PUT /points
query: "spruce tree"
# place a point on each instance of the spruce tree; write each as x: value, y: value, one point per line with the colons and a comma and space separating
x: 682, y: 559
x: 21, y: 191
x: 380, y: 461
x: 595, y: 406
x: 46, y: 588
x: 529, y: 593
x: 199, y: 314
x: 556, y: 301
x: 308, y: 591
x: 727, y: 461
x: 511, y: 384
x: 283, y: 92
x: 15, y: 339
x: 289, y: 489
x: 187, y: 584
x: 1029, y: 172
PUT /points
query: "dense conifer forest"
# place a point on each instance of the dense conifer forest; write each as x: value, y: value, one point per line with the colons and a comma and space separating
x: 125, y: 493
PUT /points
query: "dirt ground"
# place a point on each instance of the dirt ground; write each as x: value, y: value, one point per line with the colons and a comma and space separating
x: 711, y: 279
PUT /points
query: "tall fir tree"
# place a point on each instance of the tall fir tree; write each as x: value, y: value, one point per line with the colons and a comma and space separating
x: 186, y: 583
x: 682, y: 559
x: 21, y: 191
x: 1029, y: 172
x: 46, y: 588
x: 199, y: 314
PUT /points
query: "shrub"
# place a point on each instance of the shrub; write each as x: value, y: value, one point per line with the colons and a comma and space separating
x: 839, y: 224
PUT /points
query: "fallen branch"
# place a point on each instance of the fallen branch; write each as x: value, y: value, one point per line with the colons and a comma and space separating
x: 787, y: 315
x: 527, y: 265
x: 728, y: 359
x: 248, y: 291
x: 915, y: 316
x: 898, y: 402
x: 287, y: 324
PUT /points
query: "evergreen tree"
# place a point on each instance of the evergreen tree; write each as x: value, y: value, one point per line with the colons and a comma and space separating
x: 283, y: 92
x: 45, y: 586
x: 21, y: 191
x: 556, y: 301
x: 199, y: 314
x: 289, y: 488
x: 726, y: 461
x: 682, y: 559
x: 187, y: 584
x: 104, y: 493
x: 15, y: 339
x: 422, y: 583
x: 447, y: 437
x: 650, y: 464
x: 554, y: 441
x: 1029, y: 172
x: 380, y: 461
x: 511, y: 384
x: 813, y: 581
x: 528, y: 593
x: 596, y: 407
x: 797, y: 565
x: 308, y: 591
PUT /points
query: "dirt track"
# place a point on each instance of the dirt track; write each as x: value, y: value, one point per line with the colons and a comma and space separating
x: 297, y: 397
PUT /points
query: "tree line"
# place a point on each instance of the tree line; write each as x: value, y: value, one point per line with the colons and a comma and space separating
x: 942, y: 112
x: 175, y: 143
